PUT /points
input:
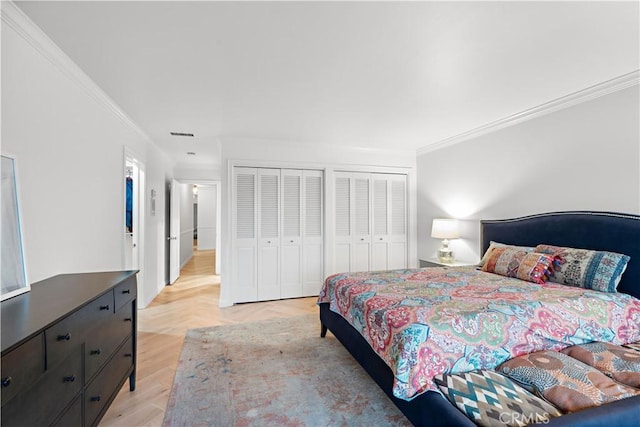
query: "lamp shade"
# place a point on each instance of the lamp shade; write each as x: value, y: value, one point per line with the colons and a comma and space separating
x: 445, y: 229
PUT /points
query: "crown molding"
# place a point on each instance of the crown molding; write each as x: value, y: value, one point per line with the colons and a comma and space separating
x: 15, y: 18
x: 616, y: 84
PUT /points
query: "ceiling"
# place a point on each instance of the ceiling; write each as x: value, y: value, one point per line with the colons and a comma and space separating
x: 399, y: 75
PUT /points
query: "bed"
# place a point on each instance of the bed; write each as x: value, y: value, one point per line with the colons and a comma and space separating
x: 603, y: 231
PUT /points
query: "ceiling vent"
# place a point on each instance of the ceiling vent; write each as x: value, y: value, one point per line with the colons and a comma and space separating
x: 181, y: 134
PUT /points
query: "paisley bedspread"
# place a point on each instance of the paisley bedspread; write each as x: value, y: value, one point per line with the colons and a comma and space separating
x: 423, y: 322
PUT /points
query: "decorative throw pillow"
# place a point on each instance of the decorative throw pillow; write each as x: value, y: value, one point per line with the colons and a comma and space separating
x: 597, y: 270
x: 491, y: 399
x: 510, y: 262
x: 493, y: 245
x: 564, y: 381
x: 620, y: 363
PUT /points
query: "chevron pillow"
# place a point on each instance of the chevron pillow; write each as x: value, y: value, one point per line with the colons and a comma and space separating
x: 491, y: 399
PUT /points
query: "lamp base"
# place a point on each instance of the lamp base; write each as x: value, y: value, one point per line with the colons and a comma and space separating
x: 445, y: 254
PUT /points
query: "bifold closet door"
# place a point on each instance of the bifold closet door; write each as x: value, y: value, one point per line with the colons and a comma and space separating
x: 291, y: 259
x: 277, y: 233
x: 371, y: 221
x: 301, y: 266
x: 389, y: 244
x: 244, y: 220
x: 313, y: 232
x: 268, y: 234
x: 353, y: 221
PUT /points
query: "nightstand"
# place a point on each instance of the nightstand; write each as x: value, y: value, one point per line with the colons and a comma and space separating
x: 435, y: 262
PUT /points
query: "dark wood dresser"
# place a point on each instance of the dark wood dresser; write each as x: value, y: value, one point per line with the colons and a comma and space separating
x: 68, y: 346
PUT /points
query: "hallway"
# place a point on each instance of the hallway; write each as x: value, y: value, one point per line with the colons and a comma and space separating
x: 191, y: 302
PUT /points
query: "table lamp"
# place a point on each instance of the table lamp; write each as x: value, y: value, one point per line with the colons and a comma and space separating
x: 445, y: 229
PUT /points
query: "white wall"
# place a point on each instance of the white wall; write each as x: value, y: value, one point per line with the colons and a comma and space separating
x: 253, y: 152
x: 69, y: 142
x: 186, y: 223
x: 158, y: 172
x: 207, y: 206
x: 585, y: 157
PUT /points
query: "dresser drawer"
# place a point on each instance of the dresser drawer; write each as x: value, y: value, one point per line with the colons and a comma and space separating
x: 101, y: 344
x: 22, y: 367
x: 72, y: 416
x: 48, y: 397
x: 70, y: 332
x: 125, y: 292
x: 106, y: 384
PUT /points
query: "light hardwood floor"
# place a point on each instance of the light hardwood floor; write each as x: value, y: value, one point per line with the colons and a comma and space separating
x: 191, y: 302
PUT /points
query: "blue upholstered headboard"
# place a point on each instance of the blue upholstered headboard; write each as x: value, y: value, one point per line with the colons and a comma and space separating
x: 606, y: 231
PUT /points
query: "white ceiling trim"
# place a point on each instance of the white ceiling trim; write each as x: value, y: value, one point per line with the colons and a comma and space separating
x: 618, y: 83
x: 32, y: 34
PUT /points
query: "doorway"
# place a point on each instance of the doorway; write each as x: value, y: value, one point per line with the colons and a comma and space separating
x: 134, y: 185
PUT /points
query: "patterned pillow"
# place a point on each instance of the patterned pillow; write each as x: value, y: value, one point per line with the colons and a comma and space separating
x: 633, y: 346
x: 511, y: 262
x: 493, y: 245
x: 620, y: 363
x: 597, y: 270
x: 564, y: 381
x: 491, y: 399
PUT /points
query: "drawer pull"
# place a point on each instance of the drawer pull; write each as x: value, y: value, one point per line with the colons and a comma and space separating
x: 128, y: 319
x: 6, y: 381
x: 104, y: 307
x: 69, y: 379
x: 96, y: 351
x: 126, y: 291
x: 65, y: 337
x: 128, y: 355
x: 95, y: 398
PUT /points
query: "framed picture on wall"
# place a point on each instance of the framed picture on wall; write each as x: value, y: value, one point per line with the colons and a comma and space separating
x: 14, y: 272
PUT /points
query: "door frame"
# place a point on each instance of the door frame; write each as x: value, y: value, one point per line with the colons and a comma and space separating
x: 138, y: 220
x: 173, y: 257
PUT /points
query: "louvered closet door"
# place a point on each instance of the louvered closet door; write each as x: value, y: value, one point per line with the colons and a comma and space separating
x: 244, y: 242
x: 397, y: 255
x: 291, y: 246
x: 389, y: 244
x: 313, y: 232
x: 342, y: 245
x: 361, y: 223
x: 268, y: 234
x: 353, y: 222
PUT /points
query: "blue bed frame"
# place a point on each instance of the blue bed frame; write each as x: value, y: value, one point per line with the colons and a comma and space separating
x: 610, y: 231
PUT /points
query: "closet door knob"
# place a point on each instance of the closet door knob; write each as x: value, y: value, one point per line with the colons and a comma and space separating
x: 95, y: 398
x: 96, y: 352
x: 104, y: 307
x: 65, y: 337
x: 128, y: 319
x: 6, y: 381
x: 69, y: 379
x: 126, y: 291
x: 128, y: 355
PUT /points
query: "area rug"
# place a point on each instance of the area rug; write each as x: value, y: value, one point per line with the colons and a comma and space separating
x: 273, y: 373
